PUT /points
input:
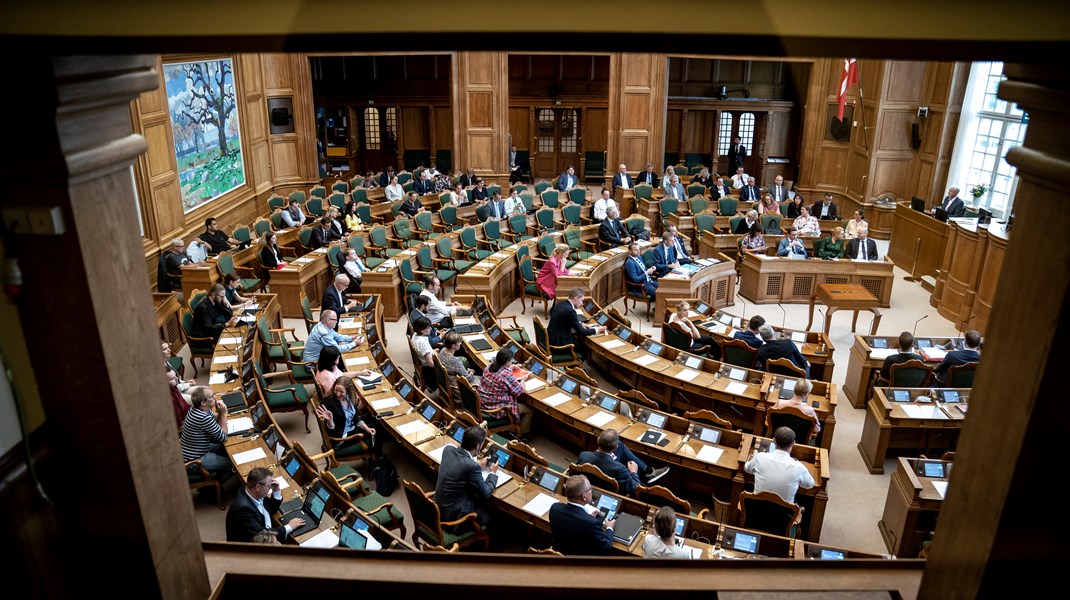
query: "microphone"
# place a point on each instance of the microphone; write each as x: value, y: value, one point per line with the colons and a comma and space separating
x: 744, y: 315
x: 916, y: 324
x: 783, y: 318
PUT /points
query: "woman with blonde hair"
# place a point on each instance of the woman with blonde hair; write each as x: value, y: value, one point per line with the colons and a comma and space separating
x: 553, y: 268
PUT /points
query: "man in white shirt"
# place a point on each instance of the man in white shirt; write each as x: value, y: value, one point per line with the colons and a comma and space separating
x: 776, y: 471
x: 355, y: 268
x: 602, y: 206
x: 437, y: 310
x: 292, y: 216
x: 739, y: 179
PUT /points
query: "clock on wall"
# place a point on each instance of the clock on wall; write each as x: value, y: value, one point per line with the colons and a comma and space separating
x: 837, y: 130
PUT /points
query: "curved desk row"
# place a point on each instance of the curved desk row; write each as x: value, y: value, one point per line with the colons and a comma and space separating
x: 868, y: 354
x: 969, y: 272
x: 776, y: 280
x: 917, y: 420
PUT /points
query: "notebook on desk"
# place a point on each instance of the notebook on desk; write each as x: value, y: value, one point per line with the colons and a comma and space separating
x: 626, y: 528
x: 480, y: 344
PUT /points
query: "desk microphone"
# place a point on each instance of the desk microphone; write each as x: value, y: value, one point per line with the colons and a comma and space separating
x: 783, y: 318
x: 916, y: 324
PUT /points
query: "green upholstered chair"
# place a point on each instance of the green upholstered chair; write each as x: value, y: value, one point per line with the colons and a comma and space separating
x: 447, y: 216
x: 571, y: 215
x: 695, y: 189
x: 544, y: 220
x: 528, y: 289
x: 793, y: 418
x: 225, y: 265
x: 771, y: 223
x: 560, y: 356
x: 768, y: 512
x: 436, y: 265
x: 338, y: 200
x: 697, y: 204
x: 737, y: 352
x: 369, y: 503
x: 404, y: 236
x: 408, y: 278
x: 542, y: 186
x: 518, y: 228
x: 492, y: 236
x: 449, y: 255
x: 356, y: 242
x: 242, y: 234
x: 287, y: 396
x: 912, y: 373
x: 314, y: 206
x: 318, y: 191
x: 201, y: 348
x: 359, y: 195
x: 341, y: 187
x: 733, y: 223
x: 550, y: 198
x: 423, y: 226
x: 276, y: 202
x: 961, y: 376
x: 379, y: 243
x: 578, y: 249
x: 577, y: 195
x: 429, y: 527
x: 470, y: 245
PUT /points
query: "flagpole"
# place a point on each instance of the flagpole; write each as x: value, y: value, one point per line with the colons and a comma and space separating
x: 862, y: 105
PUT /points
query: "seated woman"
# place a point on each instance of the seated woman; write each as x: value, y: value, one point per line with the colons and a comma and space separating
x: 669, y: 174
x: 231, y: 282
x: 421, y: 329
x: 806, y: 224
x: 661, y: 543
x: 394, y: 191
x: 454, y: 364
x: 351, y: 220
x: 679, y: 318
x: 794, y: 206
x: 370, y: 181
x: 329, y: 367
x: 800, y: 400
x: 753, y: 242
x: 833, y: 247
x: 270, y: 256
x: 704, y: 178
x: 554, y: 267
x: 499, y: 387
x: 345, y: 413
x: 768, y: 205
x: 858, y: 221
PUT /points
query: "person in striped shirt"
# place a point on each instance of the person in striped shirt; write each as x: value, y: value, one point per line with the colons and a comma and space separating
x: 203, y: 433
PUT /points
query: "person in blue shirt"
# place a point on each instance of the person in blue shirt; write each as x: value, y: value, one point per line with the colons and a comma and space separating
x: 636, y: 271
x: 791, y: 246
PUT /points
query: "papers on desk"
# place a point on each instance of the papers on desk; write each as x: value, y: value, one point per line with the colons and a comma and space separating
x: 695, y: 552
x: 224, y: 360
x: 503, y: 476
x: 798, y: 345
x: 217, y: 379
x: 580, y: 267
x: 389, y: 263
x: 915, y: 411
x: 933, y: 354
x: 798, y: 336
x: 373, y: 379
x: 280, y: 480
x: 473, y: 337
x: 239, y: 424
x: 499, y: 255
x: 436, y: 454
x: 687, y: 374
x: 737, y: 374
x: 597, y: 258
x: 300, y: 261
x: 324, y: 539
x: 941, y: 487
x: 411, y: 427
x: 557, y: 399
x: 359, y: 360
x: 385, y: 403
x: 249, y: 319
x: 882, y: 353
x: 645, y: 359
x: 489, y: 356
x: 249, y: 456
x: 540, y: 505
x: 600, y: 418
x: 611, y: 344
x: 736, y: 388
x: 230, y: 341
x: 710, y: 454
x: 464, y: 321
x: 350, y: 324
x: 534, y: 384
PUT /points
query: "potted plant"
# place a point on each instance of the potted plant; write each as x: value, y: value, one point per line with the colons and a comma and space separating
x: 978, y: 190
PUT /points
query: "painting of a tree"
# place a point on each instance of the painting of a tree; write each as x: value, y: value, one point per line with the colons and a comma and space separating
x: 204, y: 123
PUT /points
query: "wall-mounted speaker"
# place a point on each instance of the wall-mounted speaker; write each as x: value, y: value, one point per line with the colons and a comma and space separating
x: 280, y: 115
x: 915, y: 135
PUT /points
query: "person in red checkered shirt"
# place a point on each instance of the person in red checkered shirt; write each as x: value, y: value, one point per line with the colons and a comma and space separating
x: 499, y: 387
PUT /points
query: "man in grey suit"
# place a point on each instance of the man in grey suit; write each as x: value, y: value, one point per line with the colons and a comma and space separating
x: 461, y: 488
x: 675, y: 189
x: 954, y: 205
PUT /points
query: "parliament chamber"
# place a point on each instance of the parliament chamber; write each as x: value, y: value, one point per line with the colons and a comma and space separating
x: 97, y: 187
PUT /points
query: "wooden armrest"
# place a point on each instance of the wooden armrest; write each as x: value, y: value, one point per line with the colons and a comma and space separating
x: 445, y: 261
x: 190, y: 338
x: 591, y: 245
x: 509, y: 318
x: 334, y: 440
x: 384, y: 505
x: 570, y: 347
x: 473, y: 517
x: 463, y: 253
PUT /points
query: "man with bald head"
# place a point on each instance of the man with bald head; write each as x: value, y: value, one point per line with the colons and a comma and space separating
x: 334, y: 295
x: 573, y: 529
x: 324, y: 334
x: 622, y: 179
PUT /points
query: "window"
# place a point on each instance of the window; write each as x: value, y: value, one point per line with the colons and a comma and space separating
x: 988, y: 128
x: 546, y: 130
x: 724, y: 133
x: 371, y: 128
x: 746, y: 130
x: 568, y: 131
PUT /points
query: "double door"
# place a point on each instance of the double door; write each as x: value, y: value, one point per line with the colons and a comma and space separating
x: 557, y: 142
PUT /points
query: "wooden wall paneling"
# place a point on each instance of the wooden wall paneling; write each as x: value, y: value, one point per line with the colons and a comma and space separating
x: 674, y: 124
x: 293, y: 155
x: 520, y: 127
x: 443, y: 130
x: 637, y: 108
x: 595, y: 129
x: 415, y: 129
x: 481, y: 110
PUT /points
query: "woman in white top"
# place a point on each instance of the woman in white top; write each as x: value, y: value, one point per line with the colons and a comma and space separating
x: 394, y: 191
x: 806, y: 224
x: 421, y: 328
x: 858, y: 221
x: 679, y: 318
x: 801, y: 401
x: 662, y: 543
x: 669, y: 174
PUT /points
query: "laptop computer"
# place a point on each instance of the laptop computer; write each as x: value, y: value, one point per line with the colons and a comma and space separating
x: 311, y: 511
x: 626, y: 528
x: 741, y: 541
x: 940, y: 214
x: 469, y: 328
x: 481, y: 344
x: 349, y: 536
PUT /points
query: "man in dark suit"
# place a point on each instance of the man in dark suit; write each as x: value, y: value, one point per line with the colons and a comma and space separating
x: 575, y: 531
x: 825, y: 209
x: 778, y: 190
x: 461, y: 488
x: 516, y: 167
x: 682, y: 254
x: 737, y: 153
x: 750, y: 192
x: 468, y: 179
x: 906, y: 345
x: 971, y: 353
x: 334, y: 296
x: 565, y: 327
x: 779, y: 348
x: 720, y: 189
x: 251, y: 511
x: 750, y: 334
x: 617, y: 461
x: 636, y: 271
x: 648, y: 176
x: 324, y: 234
x: 388, y: 174
x: 622, y: 179
x: 567, y: 180
x: 665, y: 257
x: 862, y: 247
x: 612, y: 231
x: 212, y: 315
x: 423, y: 185
x: 954, y: 205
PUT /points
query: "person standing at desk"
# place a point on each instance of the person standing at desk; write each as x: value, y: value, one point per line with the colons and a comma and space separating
x: 565, y: 328
x: 906, y: 345
x: 737, y: 153
x: 791, y: 246
x: 460, y: 488
x: 573, y: 530
x: 776, y: 471
x: 970, y: 353
x: 251, y: 511
x: 778, y: 190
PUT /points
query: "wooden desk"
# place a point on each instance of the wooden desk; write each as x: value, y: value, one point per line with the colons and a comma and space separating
x: 916, y: 230
x: 728, y: 244
x: 880, y: 217
x: 911, y: 508
x: 916, y: 427
x: 844, y: 296
x: 167, y: 320
x: 715, y: 285
x: 771, y: 280
x: 309, y: 274
x: 969, y: 272
x: 867, y: 356
x: 202, y: 276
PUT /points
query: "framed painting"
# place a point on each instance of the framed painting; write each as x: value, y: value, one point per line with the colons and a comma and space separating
x: 202, y: 103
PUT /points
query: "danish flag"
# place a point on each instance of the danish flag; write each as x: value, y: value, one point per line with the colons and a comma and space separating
x: 850, y: 77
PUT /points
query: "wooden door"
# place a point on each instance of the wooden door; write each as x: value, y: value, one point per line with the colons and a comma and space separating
x: 556, y: 141
x: 378, y: 138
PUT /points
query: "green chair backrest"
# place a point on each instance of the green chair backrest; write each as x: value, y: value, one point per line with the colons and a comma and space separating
x: 481, y: 213
x: 697, y: 204
x: 194, y: 301
x: 341, y: 187
x: 529, y: 201
x: 276, y: 202
x: 364, y: 213
x: 542, y: 186
x: 493, y: 189
x: 405, y: 268
x: 276, y: 220
x: 644, y: 190
x: 771, y: 222
x: 541, y: 338
x: 318, y: 191
x: 314, y: 206
x: 680, y: 170
x: 526, y: 270
x: 635, y: 222
x: 305, y: 235
x: 909, y: 376
x: 359, y: 194
x: 705, y: 221
x: 518, y: 188
x: 225, y: 262
x: 669, y: 206
x: 695, y: 189
x: 571, y: 214
x: 518, y: 224
x: 728, y: 206
x: 299, y: 196
x: 962, y: 376
x: 306, y: 308
x: 573, y: 238
x: 443, y: 247
x: 523, y: 251
x: 377, y: 235
x: 395, y: 209
x: 261, y: 227
x: 338, y: 199
x: 492, y: 230
x: 547, y: 243
x: 264, y: 329
x: 445, y: 198
x: 784, y: 209
x: 403, y: 229
x: 423, y: 220
x: 357, y: 243
x: 334, y: 256
x: 423, y: 256
x: 733, y: 223
x: 677, y: 339
x: 648, y: 257
x: 545, y: 217
x: 404, y: 177
x: 578, y: 195
x: 407, y: 186
x: 468, y: 238
x: 739, y: 354
x: 242, y: 234
x: 448, y: 214
x: 550, y: 198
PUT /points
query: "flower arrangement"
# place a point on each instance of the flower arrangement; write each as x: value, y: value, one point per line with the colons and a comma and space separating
x: 978, y: 190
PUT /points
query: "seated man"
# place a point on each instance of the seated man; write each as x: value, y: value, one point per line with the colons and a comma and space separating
x: 324, y: 334
x: 636, y: 271
x: 411, y: 205
x: 216, y: 240
x: 683, y: 256
x: 617, y: 461
x: 750, y: 334
x: 779, y: 348
x: 293, y: 216
x: 906, y: 346
x: 355, y: 268
x: 324, y: 234
x: 971, y: 353
x: 334, y: 296
x: 170, y: 277
x: 421, y: 303
x: 203, y: 433
x: 440, y: 313
x: 611, y: 231
x: 721, y: 189
x: 565, y: 327
x: 251, y: 511
x: 862, y: 247
x: 791, y: 246
x: 461, y: 488
x: 423, y: 186
x: 602, y: 206
x: 567, y: 180
x: 574, y: 530
x: 666, y: 257
x: 826, y: 209
x: 212, y: 315
x: 776, y: 471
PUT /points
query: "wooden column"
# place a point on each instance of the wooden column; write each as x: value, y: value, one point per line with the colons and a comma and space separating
x: 111, y: 461
x: 481, y: 112
x: 638, y: 101
x: 1002, y: 525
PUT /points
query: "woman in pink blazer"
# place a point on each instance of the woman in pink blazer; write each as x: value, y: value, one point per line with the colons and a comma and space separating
x: 551, y: 270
